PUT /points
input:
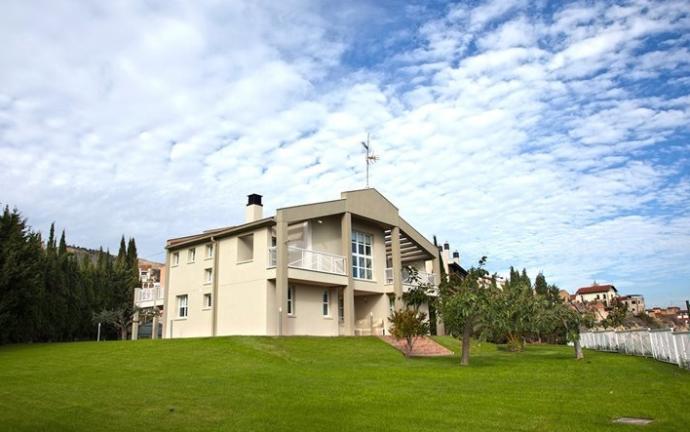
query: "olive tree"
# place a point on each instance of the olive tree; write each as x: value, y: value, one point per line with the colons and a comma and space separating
x: 462, y: 304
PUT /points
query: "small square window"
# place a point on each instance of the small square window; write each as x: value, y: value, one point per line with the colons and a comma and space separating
x: 209, y: 250
x: 208, y: 275
x: 208, y: 300
x: 175, y: 258
x: 191, y: 255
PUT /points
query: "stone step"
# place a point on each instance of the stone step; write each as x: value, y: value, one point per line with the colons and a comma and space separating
x: 423, y: 346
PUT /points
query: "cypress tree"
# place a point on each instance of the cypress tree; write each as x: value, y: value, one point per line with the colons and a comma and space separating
x: 540, y: 285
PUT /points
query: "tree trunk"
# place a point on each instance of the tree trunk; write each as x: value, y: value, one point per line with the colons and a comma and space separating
x: 578, y: 349
x: 466, y: 337
x: 410, y: 345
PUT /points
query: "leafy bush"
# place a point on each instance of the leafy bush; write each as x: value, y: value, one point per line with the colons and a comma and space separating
x: 408, y: 324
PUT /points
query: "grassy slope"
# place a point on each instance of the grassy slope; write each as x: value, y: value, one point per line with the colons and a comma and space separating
x: 298, y: 384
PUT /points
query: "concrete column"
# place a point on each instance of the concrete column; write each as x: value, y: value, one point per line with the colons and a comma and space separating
x: 281, y: 272
x: 436, y: 270
x: 397, y: 267
x: 167, y: 302
x: 349, y: 290
x: 154, y: 326
x: 135, y: 326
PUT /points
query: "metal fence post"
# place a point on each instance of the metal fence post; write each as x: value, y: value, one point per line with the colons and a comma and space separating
x: 675, y: 348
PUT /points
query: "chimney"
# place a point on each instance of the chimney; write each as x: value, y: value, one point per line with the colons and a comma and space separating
x: 456, y: 257
x: 255, y: 210
x: 445, y: 255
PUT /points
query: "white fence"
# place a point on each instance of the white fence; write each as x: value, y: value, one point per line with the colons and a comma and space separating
x: 310, y: 260
x: 664, y: 345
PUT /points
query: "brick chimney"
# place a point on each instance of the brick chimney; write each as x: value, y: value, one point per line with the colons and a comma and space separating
x: 254, y: 210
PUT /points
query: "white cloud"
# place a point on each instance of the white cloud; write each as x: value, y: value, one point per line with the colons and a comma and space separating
x: 535, y: 134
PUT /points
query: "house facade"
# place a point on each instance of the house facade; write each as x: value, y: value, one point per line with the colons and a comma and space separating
x: 149, y: 296
x: 330, y: 268
x: 597, y: 293
x: 634, y: 302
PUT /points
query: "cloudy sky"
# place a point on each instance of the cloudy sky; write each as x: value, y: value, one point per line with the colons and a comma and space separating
x: 546, y: 135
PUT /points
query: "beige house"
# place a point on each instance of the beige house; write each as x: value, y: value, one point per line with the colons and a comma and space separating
x: 634, y: 302
x: 597, y: 293
x: 329, y: 268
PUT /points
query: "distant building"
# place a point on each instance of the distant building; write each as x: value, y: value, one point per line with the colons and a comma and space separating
x: 596, y: 293
x: 634, y: 302
x: 149, y: 297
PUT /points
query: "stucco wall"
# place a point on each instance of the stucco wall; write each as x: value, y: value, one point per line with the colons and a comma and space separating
x: 325, y: 236
x: 307, y: 318
x: 188, y: 278
x: 243, y: 288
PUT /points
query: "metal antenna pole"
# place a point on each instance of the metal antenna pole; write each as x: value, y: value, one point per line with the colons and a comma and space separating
x: 367, y: 159
x: 369, y: 156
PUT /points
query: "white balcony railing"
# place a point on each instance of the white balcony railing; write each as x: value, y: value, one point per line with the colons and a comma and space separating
x: 145, y: 295
x: 424, y: 277
x: 310, y: 260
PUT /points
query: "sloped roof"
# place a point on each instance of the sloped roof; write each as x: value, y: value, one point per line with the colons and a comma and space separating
x: 594, y: 289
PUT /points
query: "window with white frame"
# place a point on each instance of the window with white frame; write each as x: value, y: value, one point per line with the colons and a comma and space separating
x: 209, y: 250
x: 208, y: 275
x: 208, y: 300
x: 291, y: 300
x: 191, y: 255
x: 182, y: 306
x: 362, y: 255
x: 326, y: 303
x: 175, y: 258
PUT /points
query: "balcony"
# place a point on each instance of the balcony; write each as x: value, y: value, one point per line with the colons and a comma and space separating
x: 307, y: 259
x: 148, y: 297
x: 423, y: 278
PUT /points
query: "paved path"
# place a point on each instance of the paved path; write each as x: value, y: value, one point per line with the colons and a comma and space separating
x: 422, y: 347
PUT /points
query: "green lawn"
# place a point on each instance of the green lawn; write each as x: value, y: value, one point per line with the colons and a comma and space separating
x: 297, y: 384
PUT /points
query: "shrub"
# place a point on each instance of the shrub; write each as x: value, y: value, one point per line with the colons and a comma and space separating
x: 408, y: 324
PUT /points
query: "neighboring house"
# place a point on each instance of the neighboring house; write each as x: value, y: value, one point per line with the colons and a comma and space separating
x: 148, y: 296
x: 634, y: 302
x: 597, y: 293
x: 452, y: 266
x: 329, y: 268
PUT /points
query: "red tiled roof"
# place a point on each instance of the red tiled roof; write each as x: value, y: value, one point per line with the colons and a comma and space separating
x: 595, y: 289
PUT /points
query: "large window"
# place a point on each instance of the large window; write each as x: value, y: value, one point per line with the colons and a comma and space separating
x: 362, y: 255
x: 326, y: 303
x: 291, y: 300
x: 182, y: 306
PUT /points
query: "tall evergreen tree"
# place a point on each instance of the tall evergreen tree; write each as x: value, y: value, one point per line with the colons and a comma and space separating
x: 540, y: 285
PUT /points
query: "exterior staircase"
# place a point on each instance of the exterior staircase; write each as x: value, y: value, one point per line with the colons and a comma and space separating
x: 423, y: 346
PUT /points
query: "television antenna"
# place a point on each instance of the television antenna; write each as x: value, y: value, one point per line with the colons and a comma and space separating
x: 370, y: 158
